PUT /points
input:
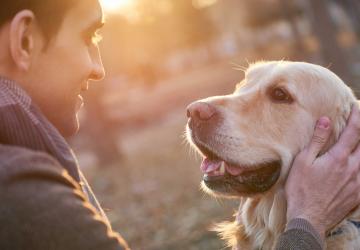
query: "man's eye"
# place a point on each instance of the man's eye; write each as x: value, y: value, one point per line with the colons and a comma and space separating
x: 280, y: 95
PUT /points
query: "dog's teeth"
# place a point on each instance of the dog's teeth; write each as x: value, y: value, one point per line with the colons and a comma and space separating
x: 241, y: 178
x: 222, y: 168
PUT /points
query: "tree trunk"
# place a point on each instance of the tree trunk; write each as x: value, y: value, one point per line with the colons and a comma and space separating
x: 299, y: 52
x: 325, y: 31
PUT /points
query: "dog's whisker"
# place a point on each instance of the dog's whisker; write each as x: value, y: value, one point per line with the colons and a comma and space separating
x: 242, y: 69
x: 184, y: 140
x: 219, y: 201
x: 192, y: 151
x: 329, y: 65
x: 239, y: 67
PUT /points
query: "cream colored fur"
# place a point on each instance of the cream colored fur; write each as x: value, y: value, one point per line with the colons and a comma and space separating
x: 257, y: 130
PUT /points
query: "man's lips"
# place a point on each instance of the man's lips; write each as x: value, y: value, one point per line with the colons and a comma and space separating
x: 85, y: 86
x: 79, y: 102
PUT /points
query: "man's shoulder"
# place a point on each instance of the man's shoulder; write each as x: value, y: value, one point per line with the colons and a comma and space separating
x: 14, y: 159
x: 10, y: 155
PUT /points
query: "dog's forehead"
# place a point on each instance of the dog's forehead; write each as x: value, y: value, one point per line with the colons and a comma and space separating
x: 263, y: 81
x: 262, y: 88
x: 286, y: 74
x: 308, y: 84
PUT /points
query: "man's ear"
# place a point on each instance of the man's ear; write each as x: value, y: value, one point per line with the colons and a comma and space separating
x: 22, y: 35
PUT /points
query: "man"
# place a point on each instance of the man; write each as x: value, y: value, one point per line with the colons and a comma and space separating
x: 48, y: 53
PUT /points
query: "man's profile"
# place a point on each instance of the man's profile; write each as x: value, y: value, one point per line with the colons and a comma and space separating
x: 48, y: 53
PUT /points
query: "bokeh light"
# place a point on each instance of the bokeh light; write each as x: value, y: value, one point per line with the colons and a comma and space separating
x: 203, y: 3
x: 115, y: 5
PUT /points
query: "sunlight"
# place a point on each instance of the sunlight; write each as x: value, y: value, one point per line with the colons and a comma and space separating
x: 203, y: 3
x: 115, y: 5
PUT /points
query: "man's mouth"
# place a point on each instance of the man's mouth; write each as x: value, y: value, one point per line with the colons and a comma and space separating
x: 79, y: 102
x: 85, y: 86
x: 238, y: 180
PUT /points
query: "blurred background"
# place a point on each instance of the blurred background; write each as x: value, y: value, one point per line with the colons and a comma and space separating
x: 160, y: 55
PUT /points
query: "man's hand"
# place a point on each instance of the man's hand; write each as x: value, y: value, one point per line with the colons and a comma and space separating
x: 324, y: 190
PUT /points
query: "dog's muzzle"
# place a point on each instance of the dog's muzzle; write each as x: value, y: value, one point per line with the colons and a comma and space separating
x: 248, y: 182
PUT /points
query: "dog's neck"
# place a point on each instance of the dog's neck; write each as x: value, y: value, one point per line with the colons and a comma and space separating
x: 262, y: 219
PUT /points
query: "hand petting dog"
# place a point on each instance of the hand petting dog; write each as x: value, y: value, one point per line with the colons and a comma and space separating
x: 325, y: 203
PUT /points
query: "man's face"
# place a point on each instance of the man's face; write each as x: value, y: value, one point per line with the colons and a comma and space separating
x: 61, y: 72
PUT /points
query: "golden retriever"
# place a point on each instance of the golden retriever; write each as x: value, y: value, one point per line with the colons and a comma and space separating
x: 250, y: 138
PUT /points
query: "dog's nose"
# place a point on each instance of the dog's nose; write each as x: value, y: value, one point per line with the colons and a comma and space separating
x: 200, y: 111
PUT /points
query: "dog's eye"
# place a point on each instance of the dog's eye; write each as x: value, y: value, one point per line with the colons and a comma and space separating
x: 280, y: 95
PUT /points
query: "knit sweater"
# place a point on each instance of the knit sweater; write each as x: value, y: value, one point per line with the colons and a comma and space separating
x: 299, y: 235
x: 43, y: 208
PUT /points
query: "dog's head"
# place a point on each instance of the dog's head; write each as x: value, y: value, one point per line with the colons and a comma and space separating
x: 249, y: 138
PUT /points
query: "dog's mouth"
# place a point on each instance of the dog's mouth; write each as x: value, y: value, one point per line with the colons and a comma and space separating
x: 237, y: 180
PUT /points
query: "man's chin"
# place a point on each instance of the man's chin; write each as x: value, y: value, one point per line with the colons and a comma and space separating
x: 68, y: 127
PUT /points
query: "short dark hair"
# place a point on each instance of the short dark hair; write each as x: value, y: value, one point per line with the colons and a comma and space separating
x: 48, y: 13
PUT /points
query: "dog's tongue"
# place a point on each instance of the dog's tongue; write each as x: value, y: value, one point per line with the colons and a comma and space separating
x: 208, y: 165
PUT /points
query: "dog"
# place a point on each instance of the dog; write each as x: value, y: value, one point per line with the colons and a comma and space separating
x: 250, y: 138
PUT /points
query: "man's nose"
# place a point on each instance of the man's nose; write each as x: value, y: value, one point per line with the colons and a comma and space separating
x: 200, y: 111
x: 98, y: 71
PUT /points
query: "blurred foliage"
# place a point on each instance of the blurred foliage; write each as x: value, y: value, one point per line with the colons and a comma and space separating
x: 192, y: 27
x: 260, y: 13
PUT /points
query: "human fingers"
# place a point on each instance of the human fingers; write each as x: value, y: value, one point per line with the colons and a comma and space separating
x: 355, y: 156
x: 350, y: 136
x: 319, y: 138
x: 347, y: 200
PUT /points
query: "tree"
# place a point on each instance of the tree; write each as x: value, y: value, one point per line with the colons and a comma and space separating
x: 325, y: 31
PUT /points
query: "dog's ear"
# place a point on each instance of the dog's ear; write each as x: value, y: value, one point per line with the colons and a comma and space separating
x: 339, y: 121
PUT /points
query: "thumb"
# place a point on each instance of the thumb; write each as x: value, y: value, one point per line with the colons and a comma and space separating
x: 320, y: 137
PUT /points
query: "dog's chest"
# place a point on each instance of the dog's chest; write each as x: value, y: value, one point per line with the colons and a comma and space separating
x: 264, y: 222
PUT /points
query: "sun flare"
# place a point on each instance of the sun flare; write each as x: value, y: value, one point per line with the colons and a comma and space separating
x: 114, y: 5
